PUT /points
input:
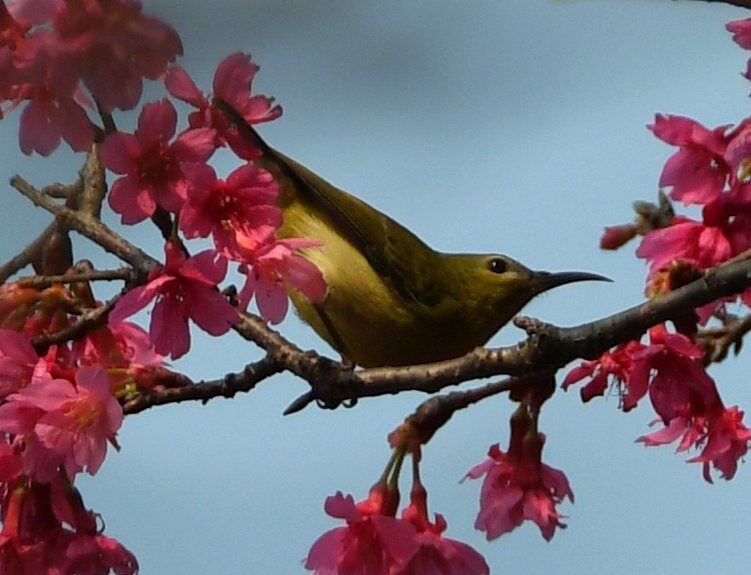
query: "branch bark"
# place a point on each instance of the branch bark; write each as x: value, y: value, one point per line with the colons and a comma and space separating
x: 123, y: 274
x: 230, y: 385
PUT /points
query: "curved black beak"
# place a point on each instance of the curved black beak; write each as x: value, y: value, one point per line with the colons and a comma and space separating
x: 543, y: 281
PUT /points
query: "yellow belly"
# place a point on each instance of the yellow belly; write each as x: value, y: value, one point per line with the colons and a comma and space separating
x: 370, y: 322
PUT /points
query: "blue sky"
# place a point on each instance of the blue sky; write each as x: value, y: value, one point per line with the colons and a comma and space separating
x: 515, y: 127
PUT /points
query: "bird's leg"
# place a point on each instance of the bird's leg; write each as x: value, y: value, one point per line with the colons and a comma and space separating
x: 347, y: 363
x: 324, y: 390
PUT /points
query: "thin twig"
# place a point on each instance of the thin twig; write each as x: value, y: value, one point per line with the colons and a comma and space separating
x: 107, y: 120
x: 718, y: 341
x: 94, y: 184
x: 86, y: 322
x: 203, y: 391
x: 435, y: 412
x: 89, y: 226
x: 96, y: 275
x: 61, y: 191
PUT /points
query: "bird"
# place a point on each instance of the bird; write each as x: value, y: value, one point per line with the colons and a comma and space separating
x: 391, y: 300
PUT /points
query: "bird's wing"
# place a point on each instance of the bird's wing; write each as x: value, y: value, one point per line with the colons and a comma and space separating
x: 399, y: 257
x: 402, y: 259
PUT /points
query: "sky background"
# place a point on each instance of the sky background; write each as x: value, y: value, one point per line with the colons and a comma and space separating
x: 513, y: 126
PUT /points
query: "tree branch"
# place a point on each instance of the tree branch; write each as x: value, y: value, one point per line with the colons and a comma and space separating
x: 94, y: 275
x: 718, y: 341
x: 94, y: 184
x: 434, y: 413
x: 84, y: 324
x: 547, y: 347
x: 89, y: 226
x: 230, y: 385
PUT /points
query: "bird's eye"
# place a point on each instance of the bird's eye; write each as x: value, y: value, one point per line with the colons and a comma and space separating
x: 497, y: 265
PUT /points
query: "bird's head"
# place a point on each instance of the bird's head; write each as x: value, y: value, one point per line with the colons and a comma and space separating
x: 495, y: 287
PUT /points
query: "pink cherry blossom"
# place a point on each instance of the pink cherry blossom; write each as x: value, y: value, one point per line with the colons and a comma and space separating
x: 720, y: 430
x: 107, y: 45
x: 726, y: 442
x: 117, y: 346
x: 113, y: 46
x: 436, y: 553
x: 688, y: 403
x: 697, y: 171
x: 36, y: 540
x: 17, y: 362
x: 35, y: 70
x: 47, y: 119
x: 185, y: 288
x: 11, y: 463
x: 45, y: 122
x: 518, y: 486
x: 70, y: 423
x: 128, y: 354
x: 613, y: 237
x: 611, y: 368
x: 240, y: 206
x: 273, y: 268
x: 741, y: 30
x: 233, y: 82
x: 151, y: 165
x: 687, y: 240
x: 724, y: 232
x: 232, y: 86
x: 670, y: 369
x: 738, y: 156
x: 372, y: 542
x: 97, y: 554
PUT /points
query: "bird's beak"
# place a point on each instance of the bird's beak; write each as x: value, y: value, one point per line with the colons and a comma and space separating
x: 544, y: 281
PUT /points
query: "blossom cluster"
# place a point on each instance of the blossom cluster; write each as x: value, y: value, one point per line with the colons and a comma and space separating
x: 375, y: 541
x: 68, y: 65
x: 163, y: 172
x: 681, y: 392
x: 56, y: 56
x: 59, y: 411
x: 64, y: 60
x: 711, y: 169
x: 518, y: 486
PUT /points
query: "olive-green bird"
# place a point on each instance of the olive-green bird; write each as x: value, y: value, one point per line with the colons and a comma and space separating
x: 391, y: 299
